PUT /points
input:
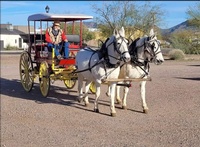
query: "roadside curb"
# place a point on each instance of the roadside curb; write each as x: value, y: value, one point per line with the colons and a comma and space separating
x: 11, y: 52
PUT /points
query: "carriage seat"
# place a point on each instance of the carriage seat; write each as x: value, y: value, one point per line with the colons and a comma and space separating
x: 73, y: 39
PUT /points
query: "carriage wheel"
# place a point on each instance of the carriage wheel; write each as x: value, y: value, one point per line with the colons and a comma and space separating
x: 26, y: 71
x: 70, y: 83
x: 44, y: 78
x: 93, y: 87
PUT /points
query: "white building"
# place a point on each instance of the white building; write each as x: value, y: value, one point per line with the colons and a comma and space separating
x: 13, y: 38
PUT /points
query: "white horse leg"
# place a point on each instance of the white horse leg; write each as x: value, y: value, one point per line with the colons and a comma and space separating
x: 118, y: 99
x: 87, y: 86
x: 112, y: 99
x: 108, y: 92
x: 97, y: 94
x: 143, y: 91
x: 124, y: 105
x: 80, y: 87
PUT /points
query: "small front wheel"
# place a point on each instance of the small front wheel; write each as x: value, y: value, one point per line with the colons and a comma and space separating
x: 44, y: 78
x: 93, y: 87
x: 70, y: 83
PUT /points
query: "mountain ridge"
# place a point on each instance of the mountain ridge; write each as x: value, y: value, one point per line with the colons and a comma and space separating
x: 182, y: 26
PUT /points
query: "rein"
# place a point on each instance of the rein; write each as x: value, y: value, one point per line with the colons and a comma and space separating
x: 105, y: 55
x: 90, y: 68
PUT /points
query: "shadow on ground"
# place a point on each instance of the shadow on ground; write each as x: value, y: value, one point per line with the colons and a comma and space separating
x: 194, y: 79
x: 57, y: 95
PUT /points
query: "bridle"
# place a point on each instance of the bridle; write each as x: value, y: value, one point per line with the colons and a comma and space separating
x: 117, y: 47
x: 149, y: 48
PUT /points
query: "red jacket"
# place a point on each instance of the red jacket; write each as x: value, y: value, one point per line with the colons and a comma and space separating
x: 48, y: 38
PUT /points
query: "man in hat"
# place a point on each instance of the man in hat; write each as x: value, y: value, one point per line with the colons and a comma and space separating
x: 55, y: 37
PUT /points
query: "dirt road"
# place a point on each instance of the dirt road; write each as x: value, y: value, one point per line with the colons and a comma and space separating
x: 173, y: 98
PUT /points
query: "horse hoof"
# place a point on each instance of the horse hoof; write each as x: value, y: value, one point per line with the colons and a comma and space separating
x: 113, y: 114
x: 96, y: 110
x: 119, y: 102
x: 124, y: 107
x: 79, y: 100
x: 107, y: 94
x: 145, y: 111
x: 86, y: 104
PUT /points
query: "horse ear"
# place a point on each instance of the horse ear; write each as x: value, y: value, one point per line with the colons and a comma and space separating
x: 122, y: 32
x: 115, y: 32
x: 130, y: 40
x: 151, y: 33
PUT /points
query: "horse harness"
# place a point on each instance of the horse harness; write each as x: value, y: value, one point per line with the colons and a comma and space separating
x: 133, y: 50
x: 104, y: 56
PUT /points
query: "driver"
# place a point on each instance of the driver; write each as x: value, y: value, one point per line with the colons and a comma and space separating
x: 55, y: 37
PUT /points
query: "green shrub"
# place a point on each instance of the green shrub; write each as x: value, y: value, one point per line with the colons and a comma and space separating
x: 9, y: 47
x: 176, y: 54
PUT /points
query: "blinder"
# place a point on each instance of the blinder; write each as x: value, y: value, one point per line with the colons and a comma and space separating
x: 150, y: 48
x: 116, y: 46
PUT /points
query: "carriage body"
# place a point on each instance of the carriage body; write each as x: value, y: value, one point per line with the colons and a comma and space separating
x: 39, y: 61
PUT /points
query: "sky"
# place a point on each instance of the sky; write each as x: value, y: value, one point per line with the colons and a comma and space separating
x: 17, y: 12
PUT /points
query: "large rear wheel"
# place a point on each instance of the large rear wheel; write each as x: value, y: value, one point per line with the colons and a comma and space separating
x: 26, y: 71
x: 44, y: 78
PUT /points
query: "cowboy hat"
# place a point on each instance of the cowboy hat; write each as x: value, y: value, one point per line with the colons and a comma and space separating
x: 56, y: 23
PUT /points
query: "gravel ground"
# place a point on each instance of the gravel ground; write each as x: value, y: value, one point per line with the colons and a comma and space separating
x: 173, y: 98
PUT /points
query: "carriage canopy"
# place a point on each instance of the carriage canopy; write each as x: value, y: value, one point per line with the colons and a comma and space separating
x: 60, y: 17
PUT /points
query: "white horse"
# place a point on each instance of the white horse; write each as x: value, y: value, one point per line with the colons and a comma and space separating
x: 100, y: 65
x: 142, y: 51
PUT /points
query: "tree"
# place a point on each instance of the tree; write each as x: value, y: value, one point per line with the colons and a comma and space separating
x: 126, y: 13
x: 194, y: 20
x: 194, y: 14
x: 86, y: 34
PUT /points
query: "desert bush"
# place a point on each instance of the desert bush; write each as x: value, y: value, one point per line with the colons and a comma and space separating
x: 176, y: 54
x: 185, y: 40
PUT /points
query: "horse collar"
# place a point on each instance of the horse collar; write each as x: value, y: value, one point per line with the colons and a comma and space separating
x: 110, y: 65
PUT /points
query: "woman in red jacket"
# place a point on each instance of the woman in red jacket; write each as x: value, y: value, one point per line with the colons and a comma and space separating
x: 54, y: 37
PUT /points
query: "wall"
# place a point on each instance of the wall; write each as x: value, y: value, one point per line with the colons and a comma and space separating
x: 12, y: 40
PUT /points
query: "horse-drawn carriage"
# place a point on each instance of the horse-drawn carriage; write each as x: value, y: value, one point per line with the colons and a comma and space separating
x: 37, y: 61
x: 115, y: 63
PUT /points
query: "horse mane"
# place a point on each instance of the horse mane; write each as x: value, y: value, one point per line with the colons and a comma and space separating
x: 103, y: 50
x: 132, y: 48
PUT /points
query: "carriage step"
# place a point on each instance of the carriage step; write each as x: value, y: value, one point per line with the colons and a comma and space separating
x: 75, y: 78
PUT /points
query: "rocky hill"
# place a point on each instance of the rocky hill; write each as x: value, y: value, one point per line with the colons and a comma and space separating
x: 90, y: 24
x: 182, y: 26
